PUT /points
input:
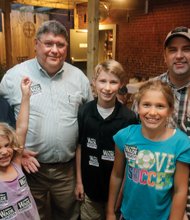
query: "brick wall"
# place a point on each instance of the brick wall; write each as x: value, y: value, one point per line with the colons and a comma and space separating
x: 140, y: 41
x: 140, y: 36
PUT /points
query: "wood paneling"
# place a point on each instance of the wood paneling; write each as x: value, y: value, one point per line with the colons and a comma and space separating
x: 93, y: 37
x: 23, y: 31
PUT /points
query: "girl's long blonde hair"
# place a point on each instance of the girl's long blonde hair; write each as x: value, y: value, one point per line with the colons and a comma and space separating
x: 9, y: 133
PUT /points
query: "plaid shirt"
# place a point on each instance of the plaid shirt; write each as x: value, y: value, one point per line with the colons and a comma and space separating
x: 181, y: 115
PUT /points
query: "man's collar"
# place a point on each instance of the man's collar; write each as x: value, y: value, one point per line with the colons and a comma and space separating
x: 174, y: 86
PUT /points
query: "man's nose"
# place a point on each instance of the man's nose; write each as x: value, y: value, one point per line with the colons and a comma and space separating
x: 54, y: 47
x: 179, y: 54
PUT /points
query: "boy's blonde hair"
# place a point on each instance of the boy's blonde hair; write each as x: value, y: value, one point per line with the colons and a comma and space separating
x: 110, y: 66
x: 8, y: 132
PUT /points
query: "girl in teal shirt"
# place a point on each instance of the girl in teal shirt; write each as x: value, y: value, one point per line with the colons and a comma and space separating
x: 155, y: 160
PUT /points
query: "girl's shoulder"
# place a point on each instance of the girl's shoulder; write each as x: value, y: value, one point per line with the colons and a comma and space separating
x: 17, y: 167
x: 182, y: 146
x: 180, y: 135
x: 130, y: 129
x: 128, y: 133
x: 12, y: 172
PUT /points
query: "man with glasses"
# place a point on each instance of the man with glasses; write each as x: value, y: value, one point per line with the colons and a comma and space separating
x: 58, y: 89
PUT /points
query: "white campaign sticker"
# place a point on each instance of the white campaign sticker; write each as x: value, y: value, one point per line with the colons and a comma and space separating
x: 24, y: 204
x: 108, y: 155
x: 7, y: 213
x: 36, y: 89
x: 93, y: 161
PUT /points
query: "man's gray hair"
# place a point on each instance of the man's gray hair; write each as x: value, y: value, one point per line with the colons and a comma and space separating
x: 54, y: 27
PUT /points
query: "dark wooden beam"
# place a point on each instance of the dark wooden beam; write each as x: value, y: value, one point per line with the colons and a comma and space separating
x: 5, y: 5
x: 61, y: 4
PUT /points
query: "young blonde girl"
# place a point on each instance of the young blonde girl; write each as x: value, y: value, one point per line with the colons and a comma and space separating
x: 156, y: 159
x: 16, y: 201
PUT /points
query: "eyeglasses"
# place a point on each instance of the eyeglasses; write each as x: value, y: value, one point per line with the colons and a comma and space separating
x: 50, y: 44
x: 180, y: 29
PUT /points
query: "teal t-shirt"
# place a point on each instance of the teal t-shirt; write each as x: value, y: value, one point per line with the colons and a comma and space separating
x: 150, y: 168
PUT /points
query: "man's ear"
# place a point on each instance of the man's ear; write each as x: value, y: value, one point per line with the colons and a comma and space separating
x: 35, y: 44
x: 165, y: 55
